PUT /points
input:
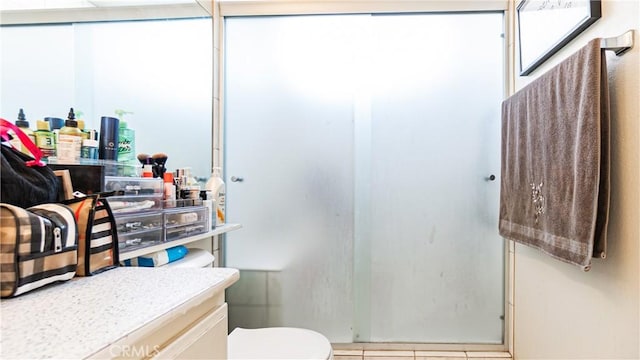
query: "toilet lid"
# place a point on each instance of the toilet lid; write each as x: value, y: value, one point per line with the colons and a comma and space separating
x: 278, y: 343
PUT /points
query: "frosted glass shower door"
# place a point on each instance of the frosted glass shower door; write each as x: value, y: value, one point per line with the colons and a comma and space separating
x: 432, y: 261
x: 366, y: 146
x: 289, y: 135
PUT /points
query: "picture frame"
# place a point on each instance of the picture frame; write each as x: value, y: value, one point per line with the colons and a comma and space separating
x: 545, y: 26
x: 66, y: 186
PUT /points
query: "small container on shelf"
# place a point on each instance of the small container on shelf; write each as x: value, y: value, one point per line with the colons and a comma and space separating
x: 139, y: 239
x: 182, y: 203
x: 134, y: 185
x: 128, y: 224
x: 135, y: 203
x: 139, y: 230
x: 186, y: 221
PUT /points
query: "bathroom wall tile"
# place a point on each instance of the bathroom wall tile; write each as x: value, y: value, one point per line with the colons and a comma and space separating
x: 441, y: 355
x: 250, y: 289
x: 274, y: 316
x: 397, y: 353
x: 388, y: 355
x: 348, y: 346
x: 339, y: 354
x: 274, y: 288
x: 247, y: 316
x: 488, y: 355
x: 347, y: 357
x: 389, y: 346
x: 342, y: 352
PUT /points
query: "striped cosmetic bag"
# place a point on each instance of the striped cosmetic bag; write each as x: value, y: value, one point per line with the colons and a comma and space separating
x: 38, y: 246
x: 97, y: 236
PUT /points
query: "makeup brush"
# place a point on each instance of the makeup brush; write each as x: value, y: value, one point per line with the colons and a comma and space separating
x: 159, y: 159
x: 144, y: 159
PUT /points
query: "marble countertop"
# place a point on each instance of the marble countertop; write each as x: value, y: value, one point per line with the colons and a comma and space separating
x: 77, y: 318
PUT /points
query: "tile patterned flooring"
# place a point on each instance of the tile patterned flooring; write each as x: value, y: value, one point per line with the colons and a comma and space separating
x: 339, y: 354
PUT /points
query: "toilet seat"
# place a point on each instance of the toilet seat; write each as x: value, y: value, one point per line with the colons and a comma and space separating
x: 278, y: 343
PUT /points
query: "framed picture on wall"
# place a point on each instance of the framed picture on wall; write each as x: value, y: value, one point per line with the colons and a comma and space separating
x: 545, y: 26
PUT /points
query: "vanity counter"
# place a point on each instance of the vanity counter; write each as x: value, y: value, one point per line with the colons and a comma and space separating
x: 108, y: 314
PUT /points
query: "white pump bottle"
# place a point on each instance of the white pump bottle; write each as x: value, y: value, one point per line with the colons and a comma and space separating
x: 215, y: 184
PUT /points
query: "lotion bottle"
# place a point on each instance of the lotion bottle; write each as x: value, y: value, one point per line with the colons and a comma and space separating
x: 215, y: 184
x: 70, y: 140
x: 23, y: 125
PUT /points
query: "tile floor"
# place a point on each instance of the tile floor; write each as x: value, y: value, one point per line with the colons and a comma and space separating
x: 418, y: 355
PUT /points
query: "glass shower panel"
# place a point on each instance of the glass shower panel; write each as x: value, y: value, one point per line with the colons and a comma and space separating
x: 366, y: 146
x: 290, y: 84
x: 435, y: 259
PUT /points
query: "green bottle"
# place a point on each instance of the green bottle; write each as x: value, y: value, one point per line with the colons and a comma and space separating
x: 45, y: 139
x: 126, y: 139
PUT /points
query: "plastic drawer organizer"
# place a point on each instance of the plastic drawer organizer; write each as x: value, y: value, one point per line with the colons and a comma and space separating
x: 139, y: 230
x: 134, y: 194
x: 184, y: 222
x: 140, y: 218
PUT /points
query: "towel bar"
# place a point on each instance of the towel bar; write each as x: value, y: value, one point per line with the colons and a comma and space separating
x: 619, y: 44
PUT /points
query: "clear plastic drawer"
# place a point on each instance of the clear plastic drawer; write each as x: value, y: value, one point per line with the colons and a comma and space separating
x: 136, y: 240
x: 127, y: 224
x: 184, y: 222
x: 134, y: 185
x: 132, y: 204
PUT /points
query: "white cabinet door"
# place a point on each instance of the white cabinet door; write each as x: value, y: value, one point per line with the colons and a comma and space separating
x: 207, y: 339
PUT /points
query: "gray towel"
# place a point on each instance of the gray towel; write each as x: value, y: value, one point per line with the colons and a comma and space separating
x: 554, y: 191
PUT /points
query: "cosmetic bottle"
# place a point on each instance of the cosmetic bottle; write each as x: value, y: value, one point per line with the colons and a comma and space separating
x: 215, y: 184
x: 85, y: 133
x: 69, y: 140
x: 55, y: 124
x: 89, y: 149
x: 23, y: 125
x: 109, y: 136
x: 126, y: 139
x: 147, y: 171
x: 45, y: 140
x: 209, y: 203
x: 169, y: 191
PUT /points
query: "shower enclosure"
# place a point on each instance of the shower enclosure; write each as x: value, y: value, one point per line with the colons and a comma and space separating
x: 362, y: 157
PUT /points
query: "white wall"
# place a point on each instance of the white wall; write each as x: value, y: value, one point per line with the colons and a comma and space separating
x: 560, y: 311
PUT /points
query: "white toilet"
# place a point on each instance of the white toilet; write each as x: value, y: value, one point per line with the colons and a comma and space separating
x: 278, y: 343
